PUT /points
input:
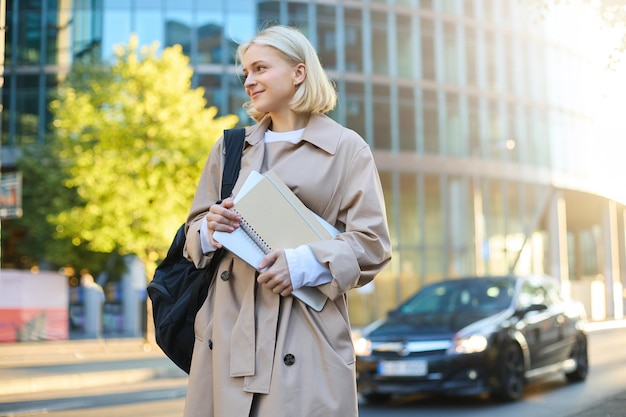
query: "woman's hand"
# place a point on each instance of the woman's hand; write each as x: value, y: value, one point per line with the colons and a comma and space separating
x: 221, y: 217
x: 275, y: 275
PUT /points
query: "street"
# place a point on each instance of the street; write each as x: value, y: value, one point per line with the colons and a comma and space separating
x: 164, y: 397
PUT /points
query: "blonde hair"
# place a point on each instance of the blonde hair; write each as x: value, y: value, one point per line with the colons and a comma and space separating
x: 317, y: 93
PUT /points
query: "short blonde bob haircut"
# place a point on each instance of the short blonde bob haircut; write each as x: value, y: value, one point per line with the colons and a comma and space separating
x: 317, y: 93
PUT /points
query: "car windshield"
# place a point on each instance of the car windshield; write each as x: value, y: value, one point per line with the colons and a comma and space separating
x: 467, y: 295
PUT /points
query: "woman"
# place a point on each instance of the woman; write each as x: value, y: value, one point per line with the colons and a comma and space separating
x: 259, y: 351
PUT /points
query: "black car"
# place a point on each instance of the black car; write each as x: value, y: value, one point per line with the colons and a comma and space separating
x: 473, y: 336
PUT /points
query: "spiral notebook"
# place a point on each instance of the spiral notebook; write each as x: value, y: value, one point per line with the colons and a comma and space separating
x: 274, y: 218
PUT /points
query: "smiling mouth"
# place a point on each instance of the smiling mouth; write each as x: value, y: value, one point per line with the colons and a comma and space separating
x: 255, y: 94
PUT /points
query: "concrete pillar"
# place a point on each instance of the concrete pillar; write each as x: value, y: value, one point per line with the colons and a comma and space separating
x: 610, y: 243
x: 557, y: 228
x: 133, y: 294
x: 93, y: 302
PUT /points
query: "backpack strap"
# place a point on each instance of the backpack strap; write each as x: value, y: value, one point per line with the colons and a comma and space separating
x: 233, y: 146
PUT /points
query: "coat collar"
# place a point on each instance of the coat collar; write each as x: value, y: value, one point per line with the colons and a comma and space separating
x: 321, y: 131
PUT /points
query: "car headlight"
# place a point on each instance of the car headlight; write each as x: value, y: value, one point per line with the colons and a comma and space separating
x: 471, y: 344
x: 362, y: 347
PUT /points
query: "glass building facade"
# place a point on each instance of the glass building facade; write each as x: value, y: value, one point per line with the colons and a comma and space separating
x: 475, y: 110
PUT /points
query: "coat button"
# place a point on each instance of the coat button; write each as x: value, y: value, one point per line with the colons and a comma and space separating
x: 210, y: 344
x: 225, y: 276
x: 289, y: 359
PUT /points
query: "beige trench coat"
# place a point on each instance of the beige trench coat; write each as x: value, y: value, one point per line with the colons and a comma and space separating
x: 249, y: 341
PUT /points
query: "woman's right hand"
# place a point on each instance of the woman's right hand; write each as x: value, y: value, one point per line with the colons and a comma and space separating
x: 221, y: 217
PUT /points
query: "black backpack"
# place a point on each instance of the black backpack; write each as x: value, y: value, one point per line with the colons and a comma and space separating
x: 178, y: 289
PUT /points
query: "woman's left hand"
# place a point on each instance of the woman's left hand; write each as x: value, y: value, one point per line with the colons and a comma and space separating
x: 276, y: 273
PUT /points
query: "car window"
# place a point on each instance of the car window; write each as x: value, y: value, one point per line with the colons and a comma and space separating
x: 477, y: 295
x: 532, y: 293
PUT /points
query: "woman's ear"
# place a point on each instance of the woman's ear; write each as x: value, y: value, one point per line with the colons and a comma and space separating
x: 299, y: 74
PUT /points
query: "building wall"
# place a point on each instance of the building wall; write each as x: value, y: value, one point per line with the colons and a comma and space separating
x: 471, y: 107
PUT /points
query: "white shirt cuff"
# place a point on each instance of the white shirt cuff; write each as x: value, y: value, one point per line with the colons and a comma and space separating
x: 305, y: 269
x: 205, y: 241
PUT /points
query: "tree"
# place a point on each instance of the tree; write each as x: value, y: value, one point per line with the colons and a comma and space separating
x: 132, y: 138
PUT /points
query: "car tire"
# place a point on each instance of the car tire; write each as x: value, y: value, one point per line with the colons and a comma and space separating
x: 510, y: 374
x: 579, y: 354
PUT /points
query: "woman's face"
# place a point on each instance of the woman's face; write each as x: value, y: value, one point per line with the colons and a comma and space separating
x: 269, y: 79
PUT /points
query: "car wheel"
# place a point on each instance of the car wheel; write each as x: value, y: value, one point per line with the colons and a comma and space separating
x: 510, y: 374
x: 377, y: 398
x: 579, y: 354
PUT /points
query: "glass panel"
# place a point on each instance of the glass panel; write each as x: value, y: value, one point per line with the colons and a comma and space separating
x: 405, y: 46
x: 380, y: 59
x: 178, y: 32
x: 512, y: 154
x: 449, y: 6
x: 468, y: 8
x: 239, y: 26
x: 473, y: 125
x: 354, y: 40
x: 150, y: 27
x: 29, y: 34
x: 298, y: 16
x: 454, y: 132
x: 355, y: 107
x: 408, y: 132
x: 26, y: 109
x: 7, y: 111
x: 426, y: 4
x: 434, y: 230
x: 116, y: 29
x: 487, y: 9
x: 515, y: 222
x: 58, y: 35
x: 382, y: 117
x: 494, y: 128
x: 409, y: 235
x: 269, y: 13
x: 509, y: 65
x: 431, y: 124
x: 327, y: 36
x: 8, y: 49
x: 210, y: 29
x: 428, y: 49
x: 470, y: 56
x: 493, y: 208
x: 433, y: 213
x: 491, y: 64
x: 212, y: 85
x: 52, y: 82
x: 460, y: 245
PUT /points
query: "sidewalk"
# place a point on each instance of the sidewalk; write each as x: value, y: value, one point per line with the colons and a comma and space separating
x: 52, y: 366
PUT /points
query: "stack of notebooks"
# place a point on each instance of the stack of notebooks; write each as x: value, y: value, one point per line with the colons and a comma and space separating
x: 274, y: 218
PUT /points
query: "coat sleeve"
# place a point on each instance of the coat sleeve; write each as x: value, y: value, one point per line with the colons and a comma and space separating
x: 355, y: 256
x: 207, y: 193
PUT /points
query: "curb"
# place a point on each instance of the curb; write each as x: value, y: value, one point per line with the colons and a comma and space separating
x: 78, y: 380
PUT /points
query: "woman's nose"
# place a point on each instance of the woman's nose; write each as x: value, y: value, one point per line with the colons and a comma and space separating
x: 249, y: 80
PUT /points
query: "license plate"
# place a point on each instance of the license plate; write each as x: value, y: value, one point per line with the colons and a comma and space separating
x: 403, y: 368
